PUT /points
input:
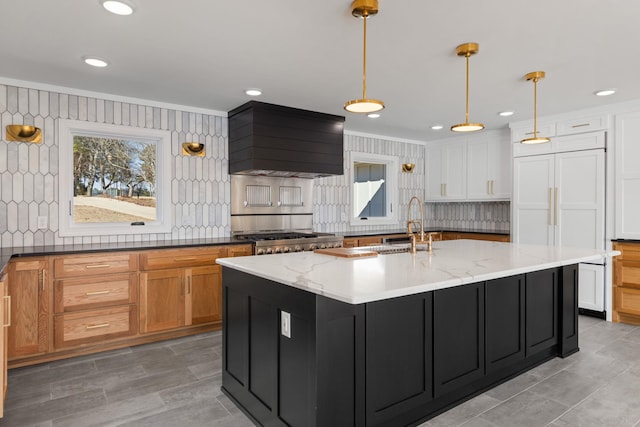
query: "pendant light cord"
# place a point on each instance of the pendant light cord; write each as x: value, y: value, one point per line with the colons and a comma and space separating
x: 364, y: 58
x: 535, y: 107
x: 466, y: 120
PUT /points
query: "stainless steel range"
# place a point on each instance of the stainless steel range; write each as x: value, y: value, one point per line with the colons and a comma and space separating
x: 276, y: 214
x: 275, y: 243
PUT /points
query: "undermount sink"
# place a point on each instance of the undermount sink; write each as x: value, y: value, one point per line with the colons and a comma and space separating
x: 386, y: 249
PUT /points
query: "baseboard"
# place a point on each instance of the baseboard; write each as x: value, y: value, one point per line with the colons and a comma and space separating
x: 593, y: 313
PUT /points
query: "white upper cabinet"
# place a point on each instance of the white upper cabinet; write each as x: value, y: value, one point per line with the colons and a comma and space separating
x: 488, y: 169
x: 446, y: 172
x: 470, y: 168
x: 627, y: 176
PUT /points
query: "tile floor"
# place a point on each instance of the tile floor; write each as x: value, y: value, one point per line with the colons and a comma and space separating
x: 177, y: 383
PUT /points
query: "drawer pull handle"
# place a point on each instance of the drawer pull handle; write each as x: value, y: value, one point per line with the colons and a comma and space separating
x: 89, y: 294
x: 97, y: 266
x: 185, y: 259
x: 7, y: 298
x: 101, y: 325
x: 580, y: 125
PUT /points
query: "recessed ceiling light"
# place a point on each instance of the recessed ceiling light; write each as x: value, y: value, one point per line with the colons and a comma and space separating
x: 117, y: 7
x: 253, y: 92
x: 94, y: 61
x: 436, y: 127
x: 505, y: 113
x: 605, y: 92
x: 373, y: 115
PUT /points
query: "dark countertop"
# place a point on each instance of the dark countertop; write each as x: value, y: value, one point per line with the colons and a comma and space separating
x: 348, y: 234
x: 625, y: 240
x: 7, y: 253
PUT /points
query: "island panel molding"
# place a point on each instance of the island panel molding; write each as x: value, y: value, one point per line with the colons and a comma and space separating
x: 371, y: 364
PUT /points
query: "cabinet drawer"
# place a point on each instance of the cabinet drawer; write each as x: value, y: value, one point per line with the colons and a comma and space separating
x: 95, y: 325
x: 627, y: 300
x: 94, y: 265
x: 171, y: 258
x: 95, y: 292
x: 630, y: 251
x: 584, y: 124
x: 240, y: 250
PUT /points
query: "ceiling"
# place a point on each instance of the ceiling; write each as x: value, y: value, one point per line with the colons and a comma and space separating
x: 308, y: 54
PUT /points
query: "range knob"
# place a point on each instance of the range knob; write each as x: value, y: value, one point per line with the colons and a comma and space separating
x: 322, y: 246
x: 278, y: 250
x: 313, y: 246
x: 286, y: 249
x: 298, y: 249
x: 260, y: 251
x: 268, y: 251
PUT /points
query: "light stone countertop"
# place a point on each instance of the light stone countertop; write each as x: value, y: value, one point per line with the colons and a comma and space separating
x: 452, y: 263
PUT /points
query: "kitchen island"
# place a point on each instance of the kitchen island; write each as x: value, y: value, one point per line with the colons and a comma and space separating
x: 391, y: 340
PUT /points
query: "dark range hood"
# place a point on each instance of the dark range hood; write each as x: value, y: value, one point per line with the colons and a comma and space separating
x: 272, y: 140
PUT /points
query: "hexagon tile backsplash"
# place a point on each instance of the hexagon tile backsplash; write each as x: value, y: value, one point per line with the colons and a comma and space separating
x: 200, y: 186
x: 29, y: 172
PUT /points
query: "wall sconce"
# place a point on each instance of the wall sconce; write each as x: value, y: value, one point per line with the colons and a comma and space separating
x: 193, y: 149
x: 408, y: 167
x: 24, y: 133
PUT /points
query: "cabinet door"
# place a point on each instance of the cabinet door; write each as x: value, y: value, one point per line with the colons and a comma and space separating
x: 591, y: 287
x: 399, y: 356
x: 458, y: 337
x: 488, y: 169
x: 627, y: 176
x: 455, y: 171
x: 29, y: 290
x: 500, y: 168
x: 433, y: 173
x: 579, y: 199
x: 4, y: 308
x: 533, y: 219
x: 478, y: 180
x: 162, y: 300
x: 505, y: 339
x: 204, y: 295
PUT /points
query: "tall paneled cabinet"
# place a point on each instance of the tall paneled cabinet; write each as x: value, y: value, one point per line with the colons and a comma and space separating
x: 559, y: 199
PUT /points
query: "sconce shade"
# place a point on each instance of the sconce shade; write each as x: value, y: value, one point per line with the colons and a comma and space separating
x: 193, y: 149
x: 408, y: 167
x: 24, y: 133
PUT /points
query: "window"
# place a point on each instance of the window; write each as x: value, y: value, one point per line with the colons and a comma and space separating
x: 374, y: 189
x: 113, y: 179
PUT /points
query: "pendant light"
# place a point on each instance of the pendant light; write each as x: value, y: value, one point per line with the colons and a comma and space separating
x: 466, y: 50
x: 364, y: 9
x: 535, y: 76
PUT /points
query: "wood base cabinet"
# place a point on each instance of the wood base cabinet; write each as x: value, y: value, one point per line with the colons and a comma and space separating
x: 5, y: 318
x: 626, y: 283
x: 392, y: 362
x: 30, y: 307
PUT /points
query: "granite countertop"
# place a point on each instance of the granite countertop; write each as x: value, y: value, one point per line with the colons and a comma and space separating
x: 452, y: 263
x: 7, y: 253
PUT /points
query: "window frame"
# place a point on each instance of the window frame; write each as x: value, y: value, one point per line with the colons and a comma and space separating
x: 67, y: 129
x: 392, y: 165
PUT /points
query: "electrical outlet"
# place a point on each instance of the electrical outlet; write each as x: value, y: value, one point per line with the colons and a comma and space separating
x: 43, y: 222
x: 343, y: 216
x: 285, y: 324
x: 187, y: 220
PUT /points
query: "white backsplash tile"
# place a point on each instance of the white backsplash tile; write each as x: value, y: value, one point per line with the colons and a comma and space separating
x: 29, y: 172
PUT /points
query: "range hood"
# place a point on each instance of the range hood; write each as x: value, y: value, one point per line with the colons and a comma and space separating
x: 273, y: 140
